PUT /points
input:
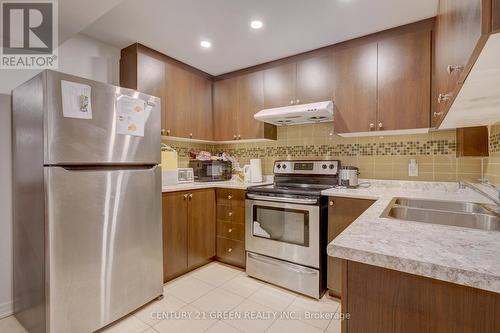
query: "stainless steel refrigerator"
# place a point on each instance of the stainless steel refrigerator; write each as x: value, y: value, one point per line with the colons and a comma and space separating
x: 87, y: 203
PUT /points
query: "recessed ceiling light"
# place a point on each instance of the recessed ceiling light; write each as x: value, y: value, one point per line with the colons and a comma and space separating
x: 206, y: 44
x: 256, y: 24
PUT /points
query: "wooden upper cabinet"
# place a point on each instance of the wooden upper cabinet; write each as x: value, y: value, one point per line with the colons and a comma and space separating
x: 250, y: 101
x: 225, y: 108
x: 179, y: 101
x: 404, y: 81
x: 201, y: 118
x: 495, y: 19
x: 315, y: 79
x: 152, y: 81
x: 201, y: 226
x: 462, y: 28
x: 279, y: 86
x: 355, y: 88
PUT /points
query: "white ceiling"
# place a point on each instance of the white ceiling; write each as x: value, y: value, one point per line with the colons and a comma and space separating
x: 175, y: 27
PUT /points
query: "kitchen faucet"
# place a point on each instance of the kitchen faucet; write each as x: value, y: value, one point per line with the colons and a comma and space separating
x: 485, y: 182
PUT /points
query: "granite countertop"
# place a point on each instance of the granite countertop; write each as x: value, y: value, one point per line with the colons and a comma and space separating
x: 460, y: 255
x: 233, y: 183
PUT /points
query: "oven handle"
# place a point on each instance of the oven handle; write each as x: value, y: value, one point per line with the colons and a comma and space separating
x: 291, y: 267
x: 279, y: 199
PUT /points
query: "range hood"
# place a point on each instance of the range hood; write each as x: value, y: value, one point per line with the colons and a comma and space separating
x: 297, y: 114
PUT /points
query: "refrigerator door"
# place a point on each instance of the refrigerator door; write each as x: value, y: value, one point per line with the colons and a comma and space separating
x: 104, y: 245
x: 97, y: 141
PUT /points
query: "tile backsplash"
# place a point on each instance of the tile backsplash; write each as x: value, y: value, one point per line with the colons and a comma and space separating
x: 492, y: 169
x: 384, y: 157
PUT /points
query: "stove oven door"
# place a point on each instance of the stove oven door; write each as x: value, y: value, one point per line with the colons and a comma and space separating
x: 287, y: 231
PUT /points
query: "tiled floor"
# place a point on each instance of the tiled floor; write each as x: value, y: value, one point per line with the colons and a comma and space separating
x: 220, y: 299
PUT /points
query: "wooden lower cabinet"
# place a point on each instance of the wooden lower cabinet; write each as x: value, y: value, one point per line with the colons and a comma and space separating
x: 381, y: 300
x: 341, y: 213
x: 188, y: 231
x: 231, y: 226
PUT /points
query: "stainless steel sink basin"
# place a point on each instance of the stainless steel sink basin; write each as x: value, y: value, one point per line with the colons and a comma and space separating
x: 452, y: 206
x: 460, y: 214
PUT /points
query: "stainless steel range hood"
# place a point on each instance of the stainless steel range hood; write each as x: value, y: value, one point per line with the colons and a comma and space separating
x: 297, y: 114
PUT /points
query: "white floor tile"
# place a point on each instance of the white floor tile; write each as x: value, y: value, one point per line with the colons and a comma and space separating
x: 151, y: 330
x: 334, y: 326
x: 10, y: 325
x: 193, y: 324
x: 320, y: 320
x: 218, y: 300
x: 273, y: 297
x: 292, y: 326
x: 154, y: 310
x: 176, y: 281
x: 242, y: 285
x: 189, y: 289
x: 221, y: 327
x: 130, y: 324
x: 215, y: 274
x: 325, y: 304
x: 251, y: 325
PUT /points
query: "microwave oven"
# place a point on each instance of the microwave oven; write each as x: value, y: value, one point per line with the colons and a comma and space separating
x: 209, y: 171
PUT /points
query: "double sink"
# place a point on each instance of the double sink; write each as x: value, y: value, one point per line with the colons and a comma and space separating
x: 460, y: 214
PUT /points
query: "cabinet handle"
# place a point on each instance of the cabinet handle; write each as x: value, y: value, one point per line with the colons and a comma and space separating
x: 230, y: 250
x: 291, y: 102
x: 234, y: 137
x: 190, y: 135
x: 190, y: 196
x: 230, y: 197
x: 186, y: 196
x: 163, y: 131
x: 239, y: 136
x: 331, y: 202
x: 437, y: 114
x: 230, y: 230
x: 230, y: 213
x: 451, y: 68
x: 443, y: 98
x: 380, y: 125
x: 372, y: 125
x: 298, y: 101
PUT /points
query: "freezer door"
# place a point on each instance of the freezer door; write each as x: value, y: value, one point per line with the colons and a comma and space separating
x: 104, y: 245
x: 74, y: 141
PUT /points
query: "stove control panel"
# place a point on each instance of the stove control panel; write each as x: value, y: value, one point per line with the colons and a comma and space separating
x: 327, y: 167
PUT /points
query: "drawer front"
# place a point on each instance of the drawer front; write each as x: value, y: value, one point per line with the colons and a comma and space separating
x: 231, y: 230
x: 231, y: 251
x: 230, y: 197
x: 230, y: 213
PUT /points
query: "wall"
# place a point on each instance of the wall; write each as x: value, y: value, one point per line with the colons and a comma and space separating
x: 492, y: 169
x: 377, y: 157
x: 80, y: 56
x: 5, y: 207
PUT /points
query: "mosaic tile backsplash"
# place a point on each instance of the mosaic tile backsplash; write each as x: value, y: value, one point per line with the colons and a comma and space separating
x: 384, y: 157
x: 492, y: 170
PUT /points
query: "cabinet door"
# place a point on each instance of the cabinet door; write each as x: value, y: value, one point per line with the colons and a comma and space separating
x: 178, y: 100
x: 151, y: 80
x: 279, y: 86
x: 225, y: 108
x: 341, y: 213
x: 201, y: 227
x: 175, y: 234
x: 459, y: 29
x: 355, y: 88
x: 201, y: 121
x: 315, y: 79
x: 404, y: 81
x: 250, y: 101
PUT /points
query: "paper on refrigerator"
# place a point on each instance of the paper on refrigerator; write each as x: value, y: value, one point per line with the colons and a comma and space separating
x: 76, y: 100
x: 131, y: 116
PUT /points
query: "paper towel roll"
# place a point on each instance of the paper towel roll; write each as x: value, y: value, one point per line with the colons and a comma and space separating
x: 256, y: 170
